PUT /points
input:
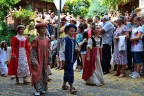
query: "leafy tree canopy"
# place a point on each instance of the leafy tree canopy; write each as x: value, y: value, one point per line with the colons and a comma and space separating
x: 78, y: 7
x: 4, y: 6
x: 113, y: 3
x: 97, y: 9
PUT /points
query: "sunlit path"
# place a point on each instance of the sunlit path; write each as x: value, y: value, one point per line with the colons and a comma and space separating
x: 113, y: 87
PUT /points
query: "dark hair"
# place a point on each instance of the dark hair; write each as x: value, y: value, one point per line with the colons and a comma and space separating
x: 70, y: 26
x: 73, y: 21
x: 85, y: 25
x: 89, y: 20
x: 137, y: 18
x: 4, y: 47
x: 81, y: 17
x: 93, y: 27
x: 122, y: 18
x: 81, y: 27
x: 63, y: 19
x: 97, y: 17
x: 92, y: 23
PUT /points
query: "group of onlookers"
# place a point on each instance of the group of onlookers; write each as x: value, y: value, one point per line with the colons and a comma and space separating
x: 87, y: 43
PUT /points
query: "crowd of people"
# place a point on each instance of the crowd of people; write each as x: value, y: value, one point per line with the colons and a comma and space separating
x: 84, y: 44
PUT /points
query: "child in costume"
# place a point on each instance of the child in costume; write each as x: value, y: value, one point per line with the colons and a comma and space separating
x: 3, y: 59
x: 19, y: 62
x: 68, y: 50
x: 39, y: 60
x: 93, y: 73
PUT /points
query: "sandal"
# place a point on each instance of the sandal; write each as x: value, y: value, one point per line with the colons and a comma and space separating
x: 4, y: 75
x: 49, y: 80
x: 73, y: 91
x: 42, y: 92
x: 12, y: 78
x: 37, y: 94
x: 65, y: 87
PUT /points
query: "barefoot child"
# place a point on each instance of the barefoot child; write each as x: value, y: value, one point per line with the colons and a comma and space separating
x: 68, y: 50
x: 39, y: 60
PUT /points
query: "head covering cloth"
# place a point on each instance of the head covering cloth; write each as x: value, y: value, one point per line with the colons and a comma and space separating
x: 39, y: 25
x: 20, y: 26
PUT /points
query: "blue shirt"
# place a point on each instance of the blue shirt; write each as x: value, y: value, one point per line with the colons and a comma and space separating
x: 108, y: 35
x: 79, y: 37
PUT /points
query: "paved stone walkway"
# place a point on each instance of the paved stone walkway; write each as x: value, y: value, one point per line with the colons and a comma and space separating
x: 114, y: 86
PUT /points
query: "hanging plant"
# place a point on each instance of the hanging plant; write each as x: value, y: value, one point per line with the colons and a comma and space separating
x: 24, y: 15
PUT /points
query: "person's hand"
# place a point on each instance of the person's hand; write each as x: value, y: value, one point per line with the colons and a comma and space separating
x: 13, y: 56
x: 134, y: 41
x: 34, y: 67
x: 6, y: 62
x: 130, y: 29
x: 85, y: 40
x: 117, y: 39
x: 131, y: 39
x: 88, y: 58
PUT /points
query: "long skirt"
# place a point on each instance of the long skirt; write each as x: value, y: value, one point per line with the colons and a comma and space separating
x: 97, y: 76
x: 3, y: 67
x: 41, y: 84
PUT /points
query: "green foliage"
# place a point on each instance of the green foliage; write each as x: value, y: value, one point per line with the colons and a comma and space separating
x: 4, y: 7
x: 97, y: 9
x: 78, y: 7
x: 31, y: 38
x: 24, y: 14
x: 49, y: 0
x: 7, y: 35
x: 27, y: 18
x: 113, y: 3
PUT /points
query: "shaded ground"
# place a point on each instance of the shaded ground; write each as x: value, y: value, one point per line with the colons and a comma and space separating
x: 114, y: 86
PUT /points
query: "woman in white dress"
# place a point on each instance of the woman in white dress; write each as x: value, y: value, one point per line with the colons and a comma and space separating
x: 3, y: 59
x: 93, y: 73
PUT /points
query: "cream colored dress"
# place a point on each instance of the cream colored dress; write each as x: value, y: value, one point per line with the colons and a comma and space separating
x: 97, y: 76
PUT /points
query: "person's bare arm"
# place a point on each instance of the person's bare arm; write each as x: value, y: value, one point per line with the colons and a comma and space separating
x: 88, y: 52
x: 115, y: 24
x: 136, y: 39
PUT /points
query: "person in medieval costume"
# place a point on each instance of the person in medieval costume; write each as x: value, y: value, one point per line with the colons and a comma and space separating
x: 68, y: 54
x: 93, y: 74
x: 19, y: 62
x: 39, y: 60
x: 3, y: 59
